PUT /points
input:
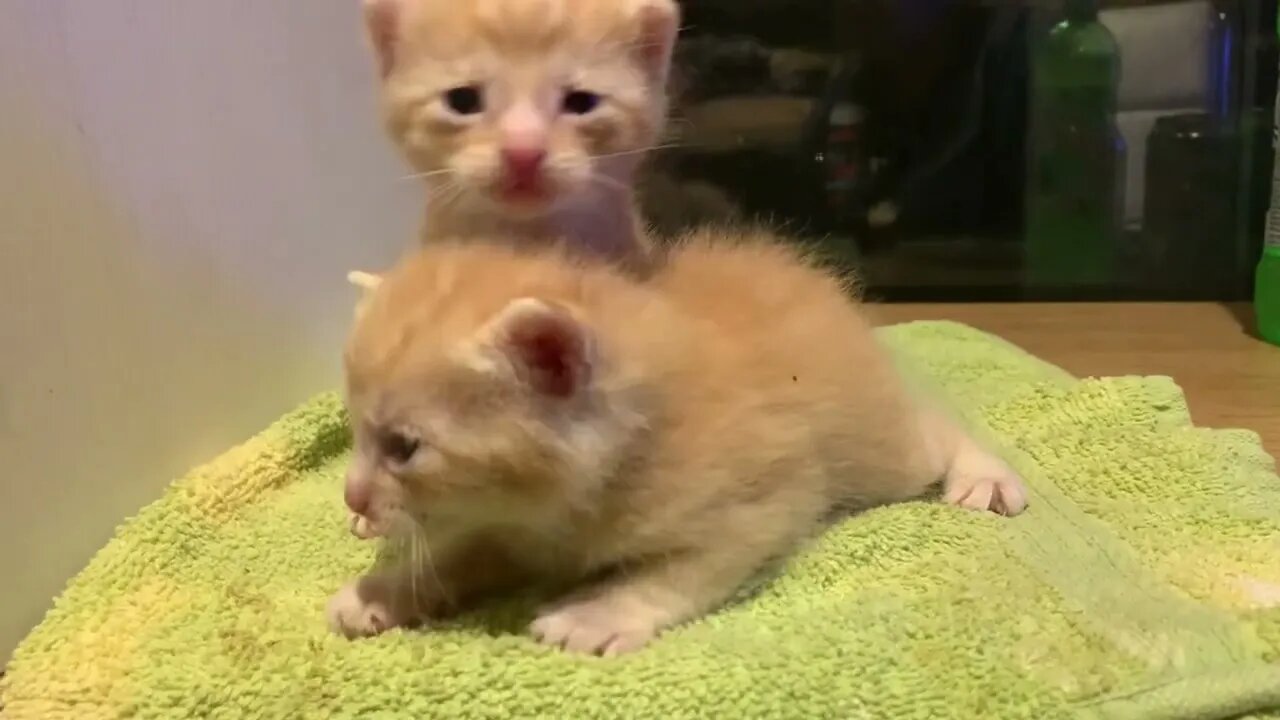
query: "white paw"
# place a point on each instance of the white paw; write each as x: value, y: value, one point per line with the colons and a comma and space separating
x: 354, y: 616
x: 595, y: 627
x: 981, y: 481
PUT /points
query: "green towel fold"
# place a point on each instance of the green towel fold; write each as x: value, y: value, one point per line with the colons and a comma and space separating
x: 1143, y: 582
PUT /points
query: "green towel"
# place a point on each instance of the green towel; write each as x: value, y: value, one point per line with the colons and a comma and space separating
x: 1143, y: 582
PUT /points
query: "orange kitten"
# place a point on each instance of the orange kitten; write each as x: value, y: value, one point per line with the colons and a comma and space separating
x: 527, y: 118
x: 652, y: 445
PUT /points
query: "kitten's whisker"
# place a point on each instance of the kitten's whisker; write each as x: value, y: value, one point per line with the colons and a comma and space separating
x: 437, y: 192
x: 402, y: 540
x: 610, y: 182
x: 638, y: 151
x: 454, y: 194
x: 440, y: 188
x: 415, y: 560
x: 643, y: 44
x: 431, y: 173
x: 445, y: 193
x: 431, y: 565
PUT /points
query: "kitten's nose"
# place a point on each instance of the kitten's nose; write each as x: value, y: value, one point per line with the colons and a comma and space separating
x: 356, y: 495
x: 523, y: 165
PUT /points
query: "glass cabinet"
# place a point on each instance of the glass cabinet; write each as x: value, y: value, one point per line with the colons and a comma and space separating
x: 965, y: 150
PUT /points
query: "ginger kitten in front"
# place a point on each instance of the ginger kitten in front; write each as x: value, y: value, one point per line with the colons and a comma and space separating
x: 648, y: 445
x: 527, y: 118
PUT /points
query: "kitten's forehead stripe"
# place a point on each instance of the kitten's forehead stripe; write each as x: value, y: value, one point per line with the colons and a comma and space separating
x: 450, y: 27
x: 540, y: 23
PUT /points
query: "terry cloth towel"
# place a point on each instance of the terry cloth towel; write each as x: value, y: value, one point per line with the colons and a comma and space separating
x: 1143, y: 582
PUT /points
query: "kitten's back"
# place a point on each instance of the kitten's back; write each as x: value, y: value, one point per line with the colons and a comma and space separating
x: 796, y: 352
x: 759, y: 367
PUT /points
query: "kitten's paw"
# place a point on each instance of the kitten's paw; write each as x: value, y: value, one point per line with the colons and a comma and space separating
x: 354, y: 616
x: 593, y: 626
x: 981, y: 481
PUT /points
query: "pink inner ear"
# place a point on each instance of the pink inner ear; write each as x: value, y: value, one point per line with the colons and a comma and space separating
x: 659, y: 24
x: 553, y: 351
x: 383, y: 18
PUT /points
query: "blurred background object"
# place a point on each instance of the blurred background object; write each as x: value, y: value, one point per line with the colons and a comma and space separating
x: 968, y: 150
x: 1267, y: 279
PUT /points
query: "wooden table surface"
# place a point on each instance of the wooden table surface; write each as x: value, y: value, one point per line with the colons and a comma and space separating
x: 1231, y: 378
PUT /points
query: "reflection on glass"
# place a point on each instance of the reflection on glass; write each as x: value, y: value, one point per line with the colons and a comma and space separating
x: 959, y: 149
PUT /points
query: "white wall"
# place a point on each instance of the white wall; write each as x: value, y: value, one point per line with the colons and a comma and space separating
x: 183, y: 186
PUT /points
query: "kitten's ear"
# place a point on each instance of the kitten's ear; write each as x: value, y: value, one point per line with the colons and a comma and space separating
x: 549, y: 348
x: 659, y: 22
x: 382, y: 19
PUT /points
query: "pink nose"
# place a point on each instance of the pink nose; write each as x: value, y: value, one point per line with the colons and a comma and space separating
x: 357, y: 497
x: 523, y: 165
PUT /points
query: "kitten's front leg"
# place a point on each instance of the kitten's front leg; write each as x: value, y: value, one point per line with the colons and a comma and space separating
x: 401, y: 594
x: 628, y: 610
x: 978, y: 480
x: 377, y: 602
x: 973, y: 478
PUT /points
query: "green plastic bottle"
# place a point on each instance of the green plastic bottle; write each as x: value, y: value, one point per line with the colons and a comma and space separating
x: 1266, y: 289
x: 1266, y: 296
x: 1075, y: 184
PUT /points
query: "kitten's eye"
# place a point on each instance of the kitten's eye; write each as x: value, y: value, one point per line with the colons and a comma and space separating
x: 465, y: 100
x: 580, y: 102
x: 398, y: 447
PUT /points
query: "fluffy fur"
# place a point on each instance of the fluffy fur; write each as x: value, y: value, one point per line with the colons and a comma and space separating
x: 521, y: 60
x: 651, y: 445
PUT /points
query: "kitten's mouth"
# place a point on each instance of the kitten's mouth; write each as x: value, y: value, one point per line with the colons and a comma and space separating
x: 364, y: 527
x: 523, y: 194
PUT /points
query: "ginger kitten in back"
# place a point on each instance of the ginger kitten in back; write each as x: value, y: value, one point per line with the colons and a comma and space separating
x: 650, y: 445
x: 527, y: 118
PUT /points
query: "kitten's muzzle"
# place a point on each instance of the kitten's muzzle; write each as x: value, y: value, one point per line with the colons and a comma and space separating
x: 523, y: 168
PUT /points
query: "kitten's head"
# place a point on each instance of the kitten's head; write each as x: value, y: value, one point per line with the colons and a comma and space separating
x: 472, y: 384
x: 522, y: 106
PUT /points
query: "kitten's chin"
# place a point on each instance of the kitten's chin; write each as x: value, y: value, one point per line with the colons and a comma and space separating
x: 526, y: 210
